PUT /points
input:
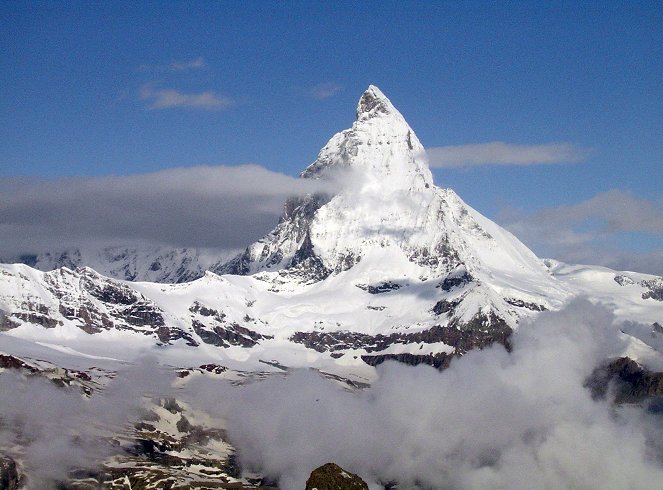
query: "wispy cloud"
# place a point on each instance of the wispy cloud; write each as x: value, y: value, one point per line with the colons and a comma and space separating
x: 167, y: 98
x: 500, y: 153
x: 194, y: 64
x: 325, y: 90
x: 182, y: 65
x: 584, y: 232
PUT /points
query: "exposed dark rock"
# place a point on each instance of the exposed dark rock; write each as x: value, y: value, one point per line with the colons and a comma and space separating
x: 519, y: 303
x: 384, y: 287
x: 183, y: 424
x: 456, y: 279
x: 233, y: 334
x: 442, y: 255
x: 655, y: 289
x: 11, y: 362
x: 112, y: 293
x: 482, y: 331
x: 205, y: 311
x: 624, y: 280
x: 35, y: 313
x: 332, y: 477
x: 445, y: 306
x: 440, y: 360
x: 213, y: 368
x: 142, y: 314
x: 631, y: 382
x: 294, y: 224
x: 10, y: 477
x: 307, y: 264
x: 172, y: 406
x: 167, y: 335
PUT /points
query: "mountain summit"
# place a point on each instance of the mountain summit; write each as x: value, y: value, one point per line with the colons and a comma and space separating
x: 380, y: 149
x: 390, y: 210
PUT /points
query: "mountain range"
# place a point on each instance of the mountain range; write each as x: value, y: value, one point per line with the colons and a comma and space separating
x: 384, y: 266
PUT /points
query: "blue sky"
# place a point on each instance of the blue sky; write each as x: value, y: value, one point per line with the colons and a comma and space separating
x: 118, y: 88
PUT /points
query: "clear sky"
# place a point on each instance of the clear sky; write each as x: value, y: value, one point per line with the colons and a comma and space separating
x: 570, y: 91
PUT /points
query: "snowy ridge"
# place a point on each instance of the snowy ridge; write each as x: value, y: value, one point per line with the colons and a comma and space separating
x: 154, y: 264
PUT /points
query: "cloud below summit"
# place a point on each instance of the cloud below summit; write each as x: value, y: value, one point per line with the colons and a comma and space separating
x: 500, y: 153
x: 206, y: 206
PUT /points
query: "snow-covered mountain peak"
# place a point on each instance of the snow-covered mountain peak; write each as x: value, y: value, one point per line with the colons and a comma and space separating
x: 380, y: 149
x: 390, y: 216
x: 374, y: 103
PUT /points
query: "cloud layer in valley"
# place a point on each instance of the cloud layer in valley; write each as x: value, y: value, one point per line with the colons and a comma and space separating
x: 499, y: 153
x: 214, y: 207
x: 58, y: 430
x: 519, y: 420
x: 493, y: 419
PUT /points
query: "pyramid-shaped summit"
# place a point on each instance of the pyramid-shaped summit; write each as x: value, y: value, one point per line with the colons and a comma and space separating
x: 380, y: 148
x: 390, y: 207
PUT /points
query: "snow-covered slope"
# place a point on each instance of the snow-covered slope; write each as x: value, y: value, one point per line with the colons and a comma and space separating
x: 389, y: 267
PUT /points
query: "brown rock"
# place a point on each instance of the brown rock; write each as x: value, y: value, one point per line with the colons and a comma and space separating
x: 332, y: 477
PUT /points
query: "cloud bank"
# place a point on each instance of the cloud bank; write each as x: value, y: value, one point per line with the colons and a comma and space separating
x: 499, y: 153
x: 492, y: 420
x: 215, y: 207
x: 579, y: 233
x: 167, y: 98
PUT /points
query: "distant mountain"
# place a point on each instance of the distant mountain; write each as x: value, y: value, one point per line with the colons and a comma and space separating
x: 153, y: 264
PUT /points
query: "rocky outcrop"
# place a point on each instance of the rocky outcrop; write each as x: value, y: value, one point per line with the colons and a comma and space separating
x: 654, y: 289
x: 332, y: 477
x: 10, y: 477
x: 482, y: 331
x: 630, y: 382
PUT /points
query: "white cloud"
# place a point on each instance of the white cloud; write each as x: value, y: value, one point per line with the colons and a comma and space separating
x: 493, y: 419
x: 184, y: 65
x: 325, y: 90
x: 213, y: 207
x: 583, y: 232
x: 165, y: 98
x: 194, y: 64
x: 499, y: 153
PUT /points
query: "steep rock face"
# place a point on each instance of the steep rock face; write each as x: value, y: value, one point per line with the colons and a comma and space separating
x: 10, y: 478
